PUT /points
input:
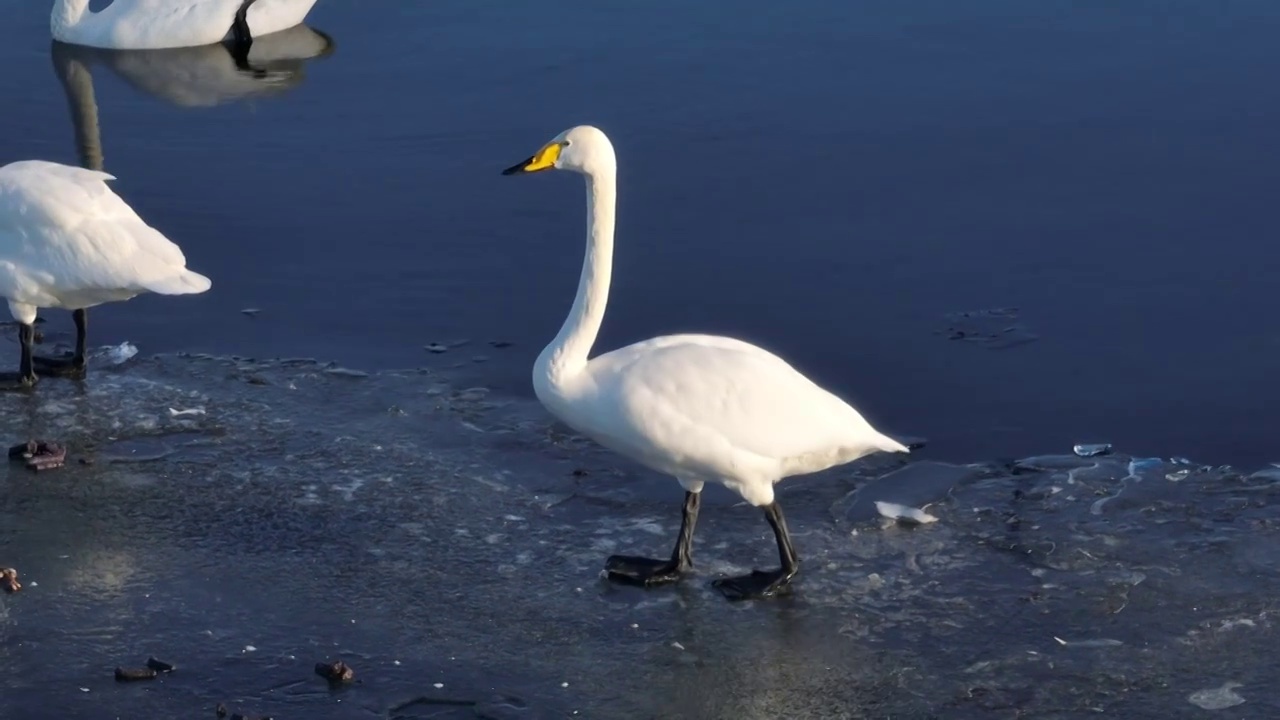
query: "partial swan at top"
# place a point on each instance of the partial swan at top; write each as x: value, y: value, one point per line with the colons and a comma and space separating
x: 159, y: 24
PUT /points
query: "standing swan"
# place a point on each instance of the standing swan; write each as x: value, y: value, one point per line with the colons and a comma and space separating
x: 159, y: 24
x: 68, y: 241
x: 702, y: 408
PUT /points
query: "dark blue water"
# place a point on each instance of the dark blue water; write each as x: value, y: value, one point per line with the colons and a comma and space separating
x: 828, y: 179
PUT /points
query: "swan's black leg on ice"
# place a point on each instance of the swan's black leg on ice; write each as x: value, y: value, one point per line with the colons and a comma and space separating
x: 26, y: 376
x: 761, y: 583
x: 73, y: 366
x: 647, y: 572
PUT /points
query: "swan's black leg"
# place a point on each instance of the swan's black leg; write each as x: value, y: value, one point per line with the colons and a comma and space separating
x: 647, y: 572
x: 240, y: 26
x: 73, y: 366
x: 241, y: 37
x: 761, y: 583
x: 26, y: 376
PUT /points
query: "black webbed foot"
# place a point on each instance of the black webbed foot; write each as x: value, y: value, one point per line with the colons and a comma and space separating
x: 16, y: 381
x: 759, y: 585
x: 642, y: 571
x: 67, y: 366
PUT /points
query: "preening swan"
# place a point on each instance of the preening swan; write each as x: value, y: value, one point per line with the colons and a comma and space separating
x: 699, y: 407
x: 68, y: 241
x: 158, y: 24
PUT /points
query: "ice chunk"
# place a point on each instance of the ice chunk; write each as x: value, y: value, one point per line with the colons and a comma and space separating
x: 902, y: 513
x: 916, y: 485
x: 1091, y: 449
x: 1218, y: 698
x: 115, y: 354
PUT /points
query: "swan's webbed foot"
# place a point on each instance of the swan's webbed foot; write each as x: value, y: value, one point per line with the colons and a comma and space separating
x: 759, y: 585
x: 642, y: 571
x: 39, y: 455
x: 647, y: 572
x: 16, y: 381
x: 69, y: 366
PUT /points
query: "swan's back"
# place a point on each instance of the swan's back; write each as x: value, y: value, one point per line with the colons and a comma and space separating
x: 717, y: 407
x: 148, y: 24
x: 64, y: 234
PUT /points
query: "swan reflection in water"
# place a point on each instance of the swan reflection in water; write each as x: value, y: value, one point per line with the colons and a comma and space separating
x: 207, y: 75
x: 202, y: 76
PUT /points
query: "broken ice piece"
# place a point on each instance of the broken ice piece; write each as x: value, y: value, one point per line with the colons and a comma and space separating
x: 1218, y: 698
x: 173, y: 412
x: 1091, y: 449
x: 904, y: 514
x: 335, y: 672
x: 9, y: 580
x: 436, y: 348
x: 118, y: 354
x: 1177, y: 475
x: 1100, y: 642
x: 345, y: 372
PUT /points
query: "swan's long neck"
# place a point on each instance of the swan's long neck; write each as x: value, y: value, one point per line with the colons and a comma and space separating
x: 66, y: 15
x: 77, y: 82
x: 567, y: 354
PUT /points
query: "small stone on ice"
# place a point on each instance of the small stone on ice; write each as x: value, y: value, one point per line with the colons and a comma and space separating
x: 898, y: 512
x: 436, y: 348
x: 1091, y: 449
x: 251, y: 311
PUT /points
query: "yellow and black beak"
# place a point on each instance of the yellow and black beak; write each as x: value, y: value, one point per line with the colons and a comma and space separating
x: 544, y: 159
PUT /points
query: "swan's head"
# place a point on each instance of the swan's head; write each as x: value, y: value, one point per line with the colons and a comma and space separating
x: 583, y: 149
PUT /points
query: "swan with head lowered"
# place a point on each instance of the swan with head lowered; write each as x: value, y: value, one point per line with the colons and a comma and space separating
x: 701, y: 408
x: 68, y: 241
x: 159, y: 24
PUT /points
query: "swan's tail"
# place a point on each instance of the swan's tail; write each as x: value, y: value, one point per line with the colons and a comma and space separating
x: 885, y: 443
x: 184, y: 283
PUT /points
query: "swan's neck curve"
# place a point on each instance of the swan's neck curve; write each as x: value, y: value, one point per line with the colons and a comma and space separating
x: 67, y: 14
x: 566, y: 355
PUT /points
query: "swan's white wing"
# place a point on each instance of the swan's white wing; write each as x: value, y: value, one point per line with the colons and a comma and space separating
x: 64, y: 234
x: 719, y: 407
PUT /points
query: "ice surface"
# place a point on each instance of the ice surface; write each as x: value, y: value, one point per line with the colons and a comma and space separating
x: 427, y: 532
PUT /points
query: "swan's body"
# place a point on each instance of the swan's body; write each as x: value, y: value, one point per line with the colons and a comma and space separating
x: 159, y: 24
x: 68, y: 241
x: 702, y: 408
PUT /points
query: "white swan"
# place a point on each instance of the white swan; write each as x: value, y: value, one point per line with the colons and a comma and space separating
x: 159, y: 24
x: 699, y: 407
x: 68, y: 241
